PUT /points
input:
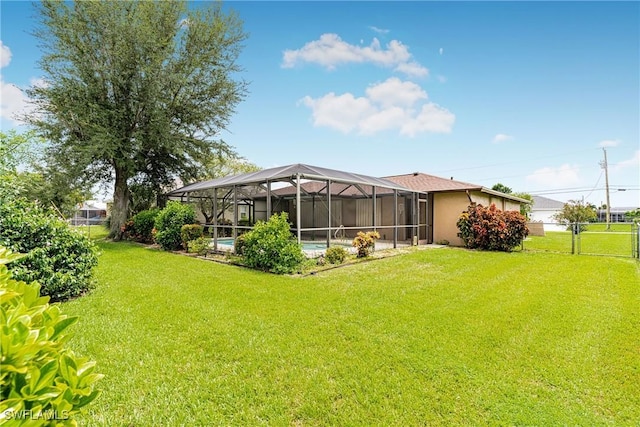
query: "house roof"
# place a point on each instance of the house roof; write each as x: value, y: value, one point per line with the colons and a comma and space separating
x: 425, y: 182
x: 544, y: 203
x: 435, y: 184
x: 284, y: 173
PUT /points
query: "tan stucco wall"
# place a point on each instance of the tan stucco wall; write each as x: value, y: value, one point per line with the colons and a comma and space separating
x: 447, y: 207
x: 510, y: 205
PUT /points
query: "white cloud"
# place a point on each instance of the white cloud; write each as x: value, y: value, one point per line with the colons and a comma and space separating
x: 342, y: 112
x: 396, y: 92
x: 392, y: 104
x: 560, y: 177
x: 502, y: 137
x: 382, y: 120
x: 634, y: 161
x: 432, y: 118
x: 441, y: 51
x: 378, y: 30
x: 412, y: 69
x: 13, y: 101
x: 609, y: 143
x: 5, y: 55
x: 330, y: 51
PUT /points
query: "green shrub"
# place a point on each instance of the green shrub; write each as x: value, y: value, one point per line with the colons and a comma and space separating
x: 169, y: 222
x: 189, y: 232
x: 238, y: 245
x: 365, y: 243
x: 58, y: 257
x: 41, y: 382
x: 491, y: 229
x: 271, y: 247
x: 199, y: 246
x: 336, y: 255
x: 143, y: 223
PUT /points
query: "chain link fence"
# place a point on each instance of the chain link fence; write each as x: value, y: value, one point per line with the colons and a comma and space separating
x: 617, y: 239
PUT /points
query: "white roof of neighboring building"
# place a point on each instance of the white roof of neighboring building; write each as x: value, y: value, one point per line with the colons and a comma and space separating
x: 93, y: 205
x: 544, y: 203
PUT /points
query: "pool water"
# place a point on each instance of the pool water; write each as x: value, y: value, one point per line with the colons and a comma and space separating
x: 307, y: 246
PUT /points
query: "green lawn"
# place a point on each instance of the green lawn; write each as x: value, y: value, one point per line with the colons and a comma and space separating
x: 433, y: 337
x: 92, y: 231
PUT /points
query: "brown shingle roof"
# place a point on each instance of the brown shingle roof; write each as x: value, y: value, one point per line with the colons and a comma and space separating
x: 424, y: 182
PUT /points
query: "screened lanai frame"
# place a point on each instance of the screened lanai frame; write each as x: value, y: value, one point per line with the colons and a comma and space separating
x: 315, y: 199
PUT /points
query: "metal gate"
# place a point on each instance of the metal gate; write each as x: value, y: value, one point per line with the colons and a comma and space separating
x: 622, y: 240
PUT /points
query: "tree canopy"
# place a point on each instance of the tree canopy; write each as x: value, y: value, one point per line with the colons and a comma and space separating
x: 502, y: 188
x: 575, y: 211
x: 136, y: 92
x: 633, y: 215
x: 26, y: 173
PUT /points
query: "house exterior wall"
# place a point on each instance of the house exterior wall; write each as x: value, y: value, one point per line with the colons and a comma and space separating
x: 510, y: 205
x: 447, y: 207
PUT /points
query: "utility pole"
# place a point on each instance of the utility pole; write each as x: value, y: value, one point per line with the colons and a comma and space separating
x: 605, y: 166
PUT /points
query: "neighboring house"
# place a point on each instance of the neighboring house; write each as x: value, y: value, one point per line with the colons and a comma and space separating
x: 543, y: 210
x: 90, y: 212
x: 448, y: 198
x: 616, y: 214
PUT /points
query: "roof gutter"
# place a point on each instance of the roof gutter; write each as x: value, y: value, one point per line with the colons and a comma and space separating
x: 505, y: 195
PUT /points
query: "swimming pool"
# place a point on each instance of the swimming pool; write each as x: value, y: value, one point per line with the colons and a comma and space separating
x: 307, y: 246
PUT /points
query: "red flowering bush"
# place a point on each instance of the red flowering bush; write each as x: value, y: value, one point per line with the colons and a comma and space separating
x: 491, y: 229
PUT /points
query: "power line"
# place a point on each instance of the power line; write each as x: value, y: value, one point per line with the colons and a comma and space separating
x: 527, y: 160
x: 594, y: 187
x: 579, y: 190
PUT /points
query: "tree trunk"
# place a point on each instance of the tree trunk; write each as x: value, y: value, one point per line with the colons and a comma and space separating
x: 120, y: 209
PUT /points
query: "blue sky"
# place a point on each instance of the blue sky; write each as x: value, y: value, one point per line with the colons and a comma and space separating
x: 522, y: 93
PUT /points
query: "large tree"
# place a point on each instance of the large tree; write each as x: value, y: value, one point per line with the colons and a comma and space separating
x: 136, y: 91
